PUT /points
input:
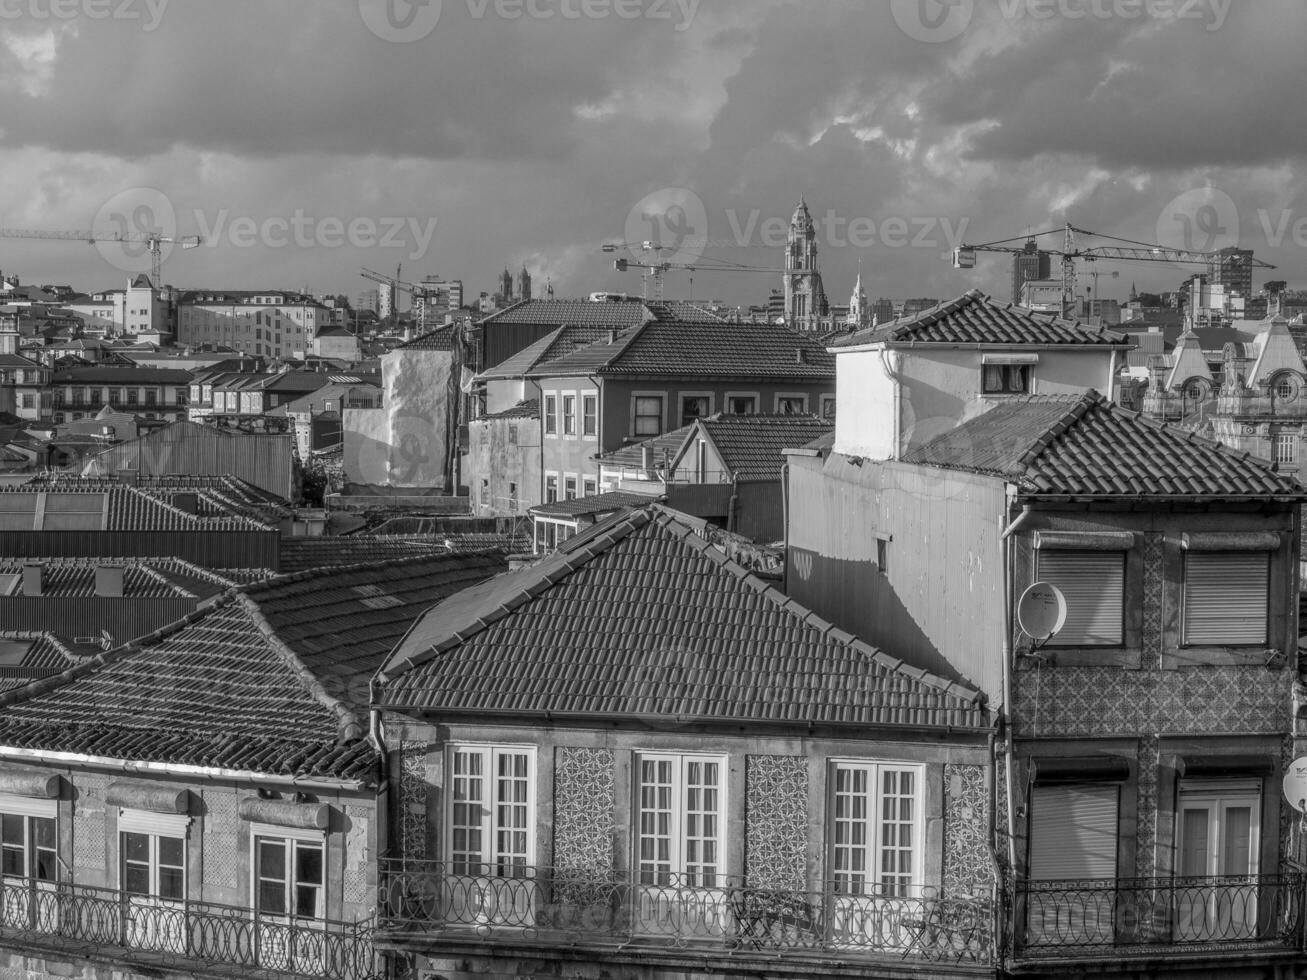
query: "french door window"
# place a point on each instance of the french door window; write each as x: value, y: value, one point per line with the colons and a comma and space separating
x: 1216, y: 860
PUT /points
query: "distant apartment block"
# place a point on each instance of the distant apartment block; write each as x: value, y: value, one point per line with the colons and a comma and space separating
x: 267, y: 323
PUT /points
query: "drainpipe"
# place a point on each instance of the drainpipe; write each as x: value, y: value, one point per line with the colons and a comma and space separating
x: 1008, y: 670
x: 377, y: 738
x: 785, y: 521
x: 734, y: 502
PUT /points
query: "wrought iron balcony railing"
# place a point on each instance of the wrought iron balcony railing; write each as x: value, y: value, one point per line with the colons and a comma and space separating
x: 86, y: 919
x: 576, y: 906
x: 1069, y: 918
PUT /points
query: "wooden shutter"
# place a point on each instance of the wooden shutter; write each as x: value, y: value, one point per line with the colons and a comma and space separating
x: 1073, y: 832
x: 1094, y: 585
x: 1225, y: 595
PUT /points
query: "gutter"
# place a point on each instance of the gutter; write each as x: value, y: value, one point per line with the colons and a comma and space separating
x: 202, y: 773
x: 1007, y: 668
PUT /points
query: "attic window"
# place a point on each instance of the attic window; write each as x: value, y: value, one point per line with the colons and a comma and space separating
x: 1005, y: 379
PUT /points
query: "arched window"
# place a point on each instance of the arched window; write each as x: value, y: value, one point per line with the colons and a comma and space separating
x: 1285, y: 389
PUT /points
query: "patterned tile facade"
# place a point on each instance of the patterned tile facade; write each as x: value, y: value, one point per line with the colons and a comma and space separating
x: 1146, y: 827
x: 355, y: 886
x: 88, y: 822
x: 413, y: 799
x: 222, y: 864
x: 967, y: 866
x: 585, y: 801
x: 776, y: 821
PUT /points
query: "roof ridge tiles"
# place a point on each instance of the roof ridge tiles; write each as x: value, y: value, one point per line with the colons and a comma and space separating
x: 112, y: 656
x: 348, y: 725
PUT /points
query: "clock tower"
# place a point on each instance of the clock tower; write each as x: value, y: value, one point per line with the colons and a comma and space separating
x: 805, y: 298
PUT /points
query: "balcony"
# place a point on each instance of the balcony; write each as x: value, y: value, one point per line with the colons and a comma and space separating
x: 598, y: 911
x: 1152, y: 916
x: 85, y: 921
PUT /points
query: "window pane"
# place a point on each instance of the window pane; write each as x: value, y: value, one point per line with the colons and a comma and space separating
x: 136, y: 879
x: 306, y: 901
x: 11, y: 829
x: 171, y: 883
x: 136, y: 847
x: 272, y: 859
x: 170, y: 851
x: 308, y: 865
x: 44, y: 831
x: 272, y: 897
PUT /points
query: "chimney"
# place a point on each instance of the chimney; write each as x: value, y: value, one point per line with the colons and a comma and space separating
x: 109, y: 580
x: 612, y: 336
x: 647, y: 458
x: 32, y: 580
x: 188, y: 501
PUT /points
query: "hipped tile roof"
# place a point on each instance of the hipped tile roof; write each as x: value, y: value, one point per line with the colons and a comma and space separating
x: 558, y: 343
x: 29, y: 655
x: 580, y: 312
x: 647, y: 623
x: 974, y: 318
x: 665, y: 447
x: 599, y: 503
x: 272, y: 678
x: 700, y: 349
x: 104, y: 507
x: 750, y: 446
x: 1084, y: 446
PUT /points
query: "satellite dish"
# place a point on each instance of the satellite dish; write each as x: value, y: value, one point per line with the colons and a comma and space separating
x: 1295, y: 784
x: 1041, y: 611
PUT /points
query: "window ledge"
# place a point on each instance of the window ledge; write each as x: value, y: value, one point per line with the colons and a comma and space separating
x: 1242, y: 656
x: 1124, y: 657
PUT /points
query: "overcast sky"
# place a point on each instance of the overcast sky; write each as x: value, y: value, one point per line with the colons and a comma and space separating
x: 307, y: 138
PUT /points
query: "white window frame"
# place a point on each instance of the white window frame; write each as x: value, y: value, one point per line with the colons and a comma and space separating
x: 570, y: 413
x: 291, y: 838
x: 873, y: 878
x: 27, y: 809
x: 730, y: 395
x: 790, y: 395
x: 571, y: 486
x: 153, y: 826
x: 824, y: 402
x: 589, y: 486
x: 636, y: 397
x: 1286, y: 447
x: 589, y: 415
x: 680, y: 837
x: 549, y: 413
x: 554, y: 476
x: 489, y: 828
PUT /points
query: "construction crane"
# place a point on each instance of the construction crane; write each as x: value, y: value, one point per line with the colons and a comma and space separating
x: 153, y: 243
x: 418, y: 292
x: 656, y: 268
x: 964, y: 256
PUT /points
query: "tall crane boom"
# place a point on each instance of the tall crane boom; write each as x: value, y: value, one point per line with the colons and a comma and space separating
x: 418, y: 292
x: 656, y: 268
x: 153, y: 243
x: 964, y: 256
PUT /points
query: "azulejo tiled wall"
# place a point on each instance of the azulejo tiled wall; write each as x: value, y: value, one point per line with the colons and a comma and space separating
x: 413, y: 799
x: 967, y: 864
x: 584, y: 803
x: 776, y: 821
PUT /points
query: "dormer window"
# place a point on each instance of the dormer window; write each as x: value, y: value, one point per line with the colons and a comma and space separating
x: 1007, y: 374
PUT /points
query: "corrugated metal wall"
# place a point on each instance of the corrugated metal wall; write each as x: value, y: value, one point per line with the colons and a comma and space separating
x: 125, y: 618
x: 265, y: 460
x: 210, y: 549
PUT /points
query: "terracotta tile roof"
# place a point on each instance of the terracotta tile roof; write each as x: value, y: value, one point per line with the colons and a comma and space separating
x: 218, y: 496
x: 599, y: 503
x: 581, y: 312
x: 1084, y: 446
x: 559, y: 343
x: 974, y: 318
x: 75, y: 578
x: 442, y: 338
x: 750, y: 446
x: 107, y: 507
x: 647, y: 622
x: 665, y: 447
x: 27, y: 656
x: 301, y: 554
x: 701, y: 348
x: 272, y: 679
x: 529, y: 409
x: 123, y: 375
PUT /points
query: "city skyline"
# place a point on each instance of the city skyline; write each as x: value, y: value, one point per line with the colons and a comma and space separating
x: 905, y: 139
